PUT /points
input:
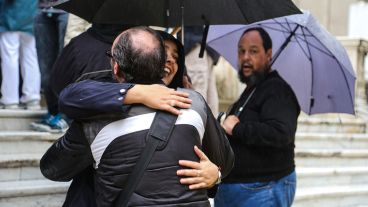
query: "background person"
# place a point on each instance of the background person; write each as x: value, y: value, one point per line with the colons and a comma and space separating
x: 262, y: 132
x: 18, y: 51
x: 50, y: 27
x: 84, y: 53
x: 200, y: 70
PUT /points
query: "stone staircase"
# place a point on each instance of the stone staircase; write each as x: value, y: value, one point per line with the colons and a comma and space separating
x: 332, y: 161
x: 21, y: 182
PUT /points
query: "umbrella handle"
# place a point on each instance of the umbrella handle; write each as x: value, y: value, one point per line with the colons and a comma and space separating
x: 204, y: 40
x: 182, y: 20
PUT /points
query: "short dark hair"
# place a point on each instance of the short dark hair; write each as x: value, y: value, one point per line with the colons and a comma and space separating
x: 266, y: 39
x: 136, y: 64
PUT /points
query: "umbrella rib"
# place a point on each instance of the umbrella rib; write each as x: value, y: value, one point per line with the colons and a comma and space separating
x: 342, y: 71
x: 346, y: 81
x: 284, y: 30
x: 338, y: 62
x: 320, y: 44
x: 276, y: 23
x: 281, y: 30
x: 241, y: 11
x: 281, y: 23
x: 284, y: 45
x: 312, y: 74
x: 274, y: 29
x: 313, y: 45
x: 298, y: 39
x: 286, y: 25
x: 99, y: 8
x: 288, y: 28
x: 166, y: 19
x: 225, y: 34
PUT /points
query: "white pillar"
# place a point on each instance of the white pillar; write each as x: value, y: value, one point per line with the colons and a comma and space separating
x: 357, y: 49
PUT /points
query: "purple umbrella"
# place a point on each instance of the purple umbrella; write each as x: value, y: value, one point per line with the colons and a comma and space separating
x: 309, y: 58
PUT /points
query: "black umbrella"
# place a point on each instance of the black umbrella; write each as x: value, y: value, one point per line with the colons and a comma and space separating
x: 171, y: 13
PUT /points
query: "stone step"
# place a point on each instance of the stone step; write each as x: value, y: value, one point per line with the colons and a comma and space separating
x: 331, y: 157
x: 14, y: 120
x: 336, y: 196
x: 317, y: 177
x: 15, y: 167
x: 314, y: 140
x: 14, y: 142
x: 332, y: 124
x: 32, y: 193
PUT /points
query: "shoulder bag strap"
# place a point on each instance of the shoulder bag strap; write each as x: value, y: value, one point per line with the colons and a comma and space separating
x: 240, y: 110
x: 157, y: 138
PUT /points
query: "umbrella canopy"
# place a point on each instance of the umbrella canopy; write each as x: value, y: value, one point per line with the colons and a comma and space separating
x: 171, y: 13
x: 306, y: 55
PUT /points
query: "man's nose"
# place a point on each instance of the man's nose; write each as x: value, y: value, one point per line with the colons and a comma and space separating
x: 245, y: 56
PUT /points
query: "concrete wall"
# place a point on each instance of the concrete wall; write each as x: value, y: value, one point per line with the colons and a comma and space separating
x: 333, y: 14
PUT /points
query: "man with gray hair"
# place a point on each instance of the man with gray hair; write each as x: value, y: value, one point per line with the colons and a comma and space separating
x: 114, y: 144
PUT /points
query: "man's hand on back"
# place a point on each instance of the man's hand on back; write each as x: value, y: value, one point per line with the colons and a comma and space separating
x: 158, y: 97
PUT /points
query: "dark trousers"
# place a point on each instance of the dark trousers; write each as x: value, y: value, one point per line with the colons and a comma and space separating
x: 50, y: 31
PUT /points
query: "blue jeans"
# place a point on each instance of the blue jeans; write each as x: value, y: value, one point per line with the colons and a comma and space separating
x: 279, y: 193
x: 50, y: 31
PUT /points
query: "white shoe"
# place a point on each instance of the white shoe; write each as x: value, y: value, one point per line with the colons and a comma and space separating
x: 32, y: 105
x: 9, y: 106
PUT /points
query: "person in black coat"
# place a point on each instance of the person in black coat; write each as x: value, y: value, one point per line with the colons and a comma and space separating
x: 83, y: 57
x: 261, y: 129
x: 85, y: 53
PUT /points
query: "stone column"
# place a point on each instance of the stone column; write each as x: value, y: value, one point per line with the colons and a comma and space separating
x: 357, y: 50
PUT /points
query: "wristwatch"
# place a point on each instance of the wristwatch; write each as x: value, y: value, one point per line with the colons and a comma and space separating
x: 219, y: 177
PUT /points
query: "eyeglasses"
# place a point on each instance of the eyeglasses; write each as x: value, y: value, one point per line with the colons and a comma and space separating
x: 109, y: 54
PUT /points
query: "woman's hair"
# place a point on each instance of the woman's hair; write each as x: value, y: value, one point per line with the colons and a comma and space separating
x: 177, y: 81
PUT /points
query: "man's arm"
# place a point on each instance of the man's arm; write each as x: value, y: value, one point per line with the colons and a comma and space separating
x: 276, y: 125
x: 158, y: 97
x: 216, y: 145
x: 68, y: 156
x: 216, y: 155
x: 90, y: 98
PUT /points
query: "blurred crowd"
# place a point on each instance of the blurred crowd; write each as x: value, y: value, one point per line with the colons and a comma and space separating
x: 31, y: 38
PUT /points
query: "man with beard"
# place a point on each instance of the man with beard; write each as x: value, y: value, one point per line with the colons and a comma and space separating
x: 261, y: 129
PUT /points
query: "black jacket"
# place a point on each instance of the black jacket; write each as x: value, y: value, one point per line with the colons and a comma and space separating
x: 114, y: 145
x: 263, y: 141
x: 85, y: 53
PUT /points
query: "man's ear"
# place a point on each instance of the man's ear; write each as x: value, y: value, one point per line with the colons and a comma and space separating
x: 269, y: 54
x: 116, y: 69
